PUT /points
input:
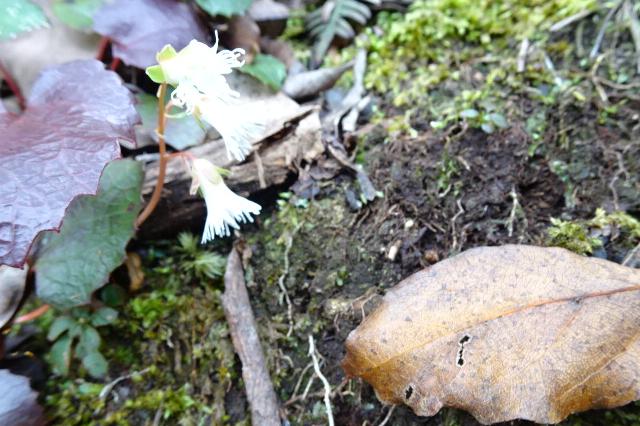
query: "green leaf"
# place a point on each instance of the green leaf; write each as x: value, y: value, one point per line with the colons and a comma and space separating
x: 498, y: 120
x: 224, y: 7
x: 95, y: 364
x: 324, y: 24
x: 77, y: 14
x: 180, y: 133
x: 59, y: 326
x: 19, y: 16
x: 89, y: 342
x: 60, y: 355
x: 113, y: 295
x: 487, y: 127
x: 268, y: 70
x: 104, y: 316
x: 71, y: 265
x: 469, y: 113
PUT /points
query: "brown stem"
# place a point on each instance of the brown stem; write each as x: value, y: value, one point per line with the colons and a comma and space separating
x: 102, y: 48
x: 115, y: 62
x: 162, y: 165
x: 13, y: 86
x: 30, y: 316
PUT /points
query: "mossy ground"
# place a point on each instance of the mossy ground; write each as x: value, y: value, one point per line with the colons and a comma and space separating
x: 568, y: 150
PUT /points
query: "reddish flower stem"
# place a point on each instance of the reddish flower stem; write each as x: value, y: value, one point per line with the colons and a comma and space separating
x: 102, y: 48
x: 30, y: 316
x: 13, y: 86
x: 115, y: 62
x: 162, y: 166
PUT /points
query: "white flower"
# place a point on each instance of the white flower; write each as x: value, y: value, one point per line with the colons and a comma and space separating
x: 198, y: 72
x: 229, y: 121
x: 224, y: 208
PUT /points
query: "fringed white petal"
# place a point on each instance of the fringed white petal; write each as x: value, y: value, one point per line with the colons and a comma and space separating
x: 238, y: 131
x: 225, y: 209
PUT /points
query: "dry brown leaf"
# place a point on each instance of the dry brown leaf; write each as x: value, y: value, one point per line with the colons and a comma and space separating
x: 135, y: 271
x: 504, y: 333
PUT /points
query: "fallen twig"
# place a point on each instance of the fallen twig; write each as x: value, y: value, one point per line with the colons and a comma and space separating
x: 244, y: 334
x: 285, y: 272
x: 388, y: 416
x: 570, y: 20
x: 325, y: 382
x: 632, y: 254
x: 453, y: 224
x: 106, y: 390
x: 634, y: 27
x: 522, y: 55
x: 603, y: 29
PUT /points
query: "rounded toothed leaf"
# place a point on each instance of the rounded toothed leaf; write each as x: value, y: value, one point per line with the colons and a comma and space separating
x: 140, y: 29
x: 72, y: 264
x: 57, y: 148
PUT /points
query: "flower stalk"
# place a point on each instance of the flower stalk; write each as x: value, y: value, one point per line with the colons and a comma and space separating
x: 162, y: 166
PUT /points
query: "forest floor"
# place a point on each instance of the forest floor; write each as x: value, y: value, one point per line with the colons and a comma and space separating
x: 564, y: 142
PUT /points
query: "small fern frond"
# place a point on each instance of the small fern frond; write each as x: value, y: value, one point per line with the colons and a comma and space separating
x: 334, y: 18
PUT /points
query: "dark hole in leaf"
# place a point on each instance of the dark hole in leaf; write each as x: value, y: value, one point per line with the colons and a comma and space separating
x: 408, y: 392
x: 459, y: 358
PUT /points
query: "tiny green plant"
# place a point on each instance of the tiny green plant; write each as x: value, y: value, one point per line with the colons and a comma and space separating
x: 75, y: 336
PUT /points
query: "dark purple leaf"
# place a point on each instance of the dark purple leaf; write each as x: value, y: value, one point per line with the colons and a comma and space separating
x: 138, y: 29
x: 18, y: 405
x: 57, y: 149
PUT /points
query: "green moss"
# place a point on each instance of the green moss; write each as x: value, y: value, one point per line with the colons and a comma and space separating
x: 432, y: 30
x: 580, y: 237
x: 626, y: 223
x: 572, y: 236
x: 175, y: 334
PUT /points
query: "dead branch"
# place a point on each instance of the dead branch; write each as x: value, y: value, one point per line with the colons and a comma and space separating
x: 278, y: 155
x: 244, y: 334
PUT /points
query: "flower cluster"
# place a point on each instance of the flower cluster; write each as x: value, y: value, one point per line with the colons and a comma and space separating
x: 197, y: 73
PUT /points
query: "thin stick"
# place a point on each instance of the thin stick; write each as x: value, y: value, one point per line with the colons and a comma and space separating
x: 283, y: 288
x: 570, y: 20
x: 30, y: 316
x: 388, y: 416
x: 602, y: 31
x: 522, y: 55
x: 325, y: 382
x: 634, y: 27
x: 13, y: 86
x: 162, y: 164
x: 262, y: 398
x: 106, y: 390
x: 628, y: 258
